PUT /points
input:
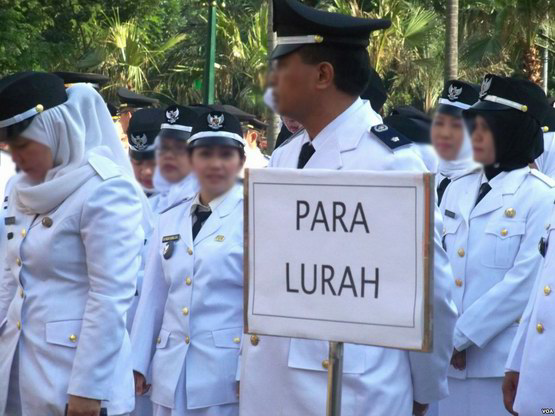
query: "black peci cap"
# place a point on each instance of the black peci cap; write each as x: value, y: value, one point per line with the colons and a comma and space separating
x: 24, y: 95
x: 70, y: 78
x: 457, y: 96
x: 298, y: 25
x: 411, y: 123
x: 130, y: 99
x: 503, y: 93
x: 217, y: 128
x: 375, y: 92
x: 143, y: 128
x: 178, y: 122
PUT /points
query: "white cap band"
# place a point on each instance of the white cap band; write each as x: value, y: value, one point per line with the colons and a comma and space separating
x: 225, y: 134
x: 176, y: 127
x: 454, y: 103
x: 299, y: 40
x: 19, y: 117
x: 504, y: 101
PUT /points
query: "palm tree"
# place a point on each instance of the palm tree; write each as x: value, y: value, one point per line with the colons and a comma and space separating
x: 451, y: 40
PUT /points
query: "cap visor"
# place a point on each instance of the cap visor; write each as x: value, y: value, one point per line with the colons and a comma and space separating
x: 282, y: 50
x: 216, y: 141
x: 450, y: 110
x: 174, y: 134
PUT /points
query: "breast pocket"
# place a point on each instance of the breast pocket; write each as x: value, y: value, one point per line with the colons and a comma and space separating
x: 313, y: 355
x: 450, y: 228
x: 502, y: 241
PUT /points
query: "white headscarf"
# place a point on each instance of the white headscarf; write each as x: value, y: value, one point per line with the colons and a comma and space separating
x: 76, y: 132
x: 463, y: 162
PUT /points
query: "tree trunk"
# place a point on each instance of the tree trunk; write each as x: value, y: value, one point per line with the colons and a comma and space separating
x: 532, y: 65
x: 273, y: 118
x: 452, y: 40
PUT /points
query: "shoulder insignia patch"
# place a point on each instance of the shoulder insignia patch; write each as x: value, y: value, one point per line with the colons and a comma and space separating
x: 182, y: 201
x: 544, y: 178
x: 389, y: 136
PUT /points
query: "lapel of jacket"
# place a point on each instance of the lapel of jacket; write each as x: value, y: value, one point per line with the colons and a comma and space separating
x: 214, y: 222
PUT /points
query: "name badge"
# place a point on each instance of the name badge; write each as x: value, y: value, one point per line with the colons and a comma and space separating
x: 450, y: 214
x: 9, y: 220
x: 169, y: 238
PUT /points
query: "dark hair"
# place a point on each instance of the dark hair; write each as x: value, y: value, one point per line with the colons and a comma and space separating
x: 10, y: 133
x: 350, y: 65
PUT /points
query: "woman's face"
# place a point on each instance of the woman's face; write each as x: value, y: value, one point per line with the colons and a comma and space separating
x: 447, y: 135
x: 33, y: 158
x: 173, y: 160
x: 216, y: 168
x: 483, y: 143
x: 144, y: 171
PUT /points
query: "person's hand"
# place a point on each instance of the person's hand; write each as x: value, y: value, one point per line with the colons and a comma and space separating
x: 510, y: 386
x: 458, y: 360
x: 419, y: 409
x: 140, y: 384
x: 81, y: 406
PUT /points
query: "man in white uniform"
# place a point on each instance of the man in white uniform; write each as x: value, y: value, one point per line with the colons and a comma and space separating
x: 321, y: 70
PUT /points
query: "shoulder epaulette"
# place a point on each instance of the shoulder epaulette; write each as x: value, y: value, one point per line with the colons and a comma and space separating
x: 186, y: 199
x: 389, y: 136
x: 543, y: 177
x: 291, y: 138
x: 105, y: 170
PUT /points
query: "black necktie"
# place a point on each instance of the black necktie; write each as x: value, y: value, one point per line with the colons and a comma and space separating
x: 441, y: 189
x: 200, y: 219
x: 306, y: 153
x: 484, y: 189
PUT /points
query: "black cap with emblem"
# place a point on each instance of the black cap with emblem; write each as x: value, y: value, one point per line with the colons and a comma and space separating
x: 70, y: 78
x: 217, y: 128
x: 499, y: 93
x: 298, y: 25
x: 130, y: 100
x: 410, y: 122
x: 23, y: 96
x: 178, y: 122
x: 375, y: 92
x: 144, y: 126
x: 457, y: 96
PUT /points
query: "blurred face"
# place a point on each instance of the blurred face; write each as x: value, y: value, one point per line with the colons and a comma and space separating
x: 144, y: 170
x: 172, y: 159
x: 293, y: 85
x: 216, y: 168
x: 483, y: 144
x: 447, y: 135
x: 33, y: 158
x: 292, y: 125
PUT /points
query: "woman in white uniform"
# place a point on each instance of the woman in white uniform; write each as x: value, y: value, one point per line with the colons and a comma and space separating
x: 189, y: 323
x: 493, y: 219
x: 449, y: 134
x: 172, y: 178
x: 74, y: 238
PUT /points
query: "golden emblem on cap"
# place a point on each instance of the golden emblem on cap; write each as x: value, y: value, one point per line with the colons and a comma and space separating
x: 510, y: 212
x: 318, y: 38
x: 39, y: 108
x: 47, y: 222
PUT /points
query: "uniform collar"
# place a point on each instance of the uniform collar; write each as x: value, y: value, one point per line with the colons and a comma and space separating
x: 223, y: 204
x: 507, y: 182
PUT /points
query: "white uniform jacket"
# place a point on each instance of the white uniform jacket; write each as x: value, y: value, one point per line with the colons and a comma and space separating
x: 532, y: 351
x: 71, y: 275
x: 191, y: 308
x: 493, y: 249
x: 282, y: 376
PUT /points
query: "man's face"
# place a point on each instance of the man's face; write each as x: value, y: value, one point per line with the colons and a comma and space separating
x: 293, y: 84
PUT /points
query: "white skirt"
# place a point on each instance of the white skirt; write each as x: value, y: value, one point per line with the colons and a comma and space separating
x: 474, y: 397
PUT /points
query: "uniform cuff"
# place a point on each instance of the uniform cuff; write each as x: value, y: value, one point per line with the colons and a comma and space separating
x: 461, y: 341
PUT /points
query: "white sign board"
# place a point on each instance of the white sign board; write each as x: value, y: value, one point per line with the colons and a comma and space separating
x: 339, y: 256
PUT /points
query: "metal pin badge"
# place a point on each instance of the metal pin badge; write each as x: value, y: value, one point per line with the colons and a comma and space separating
x: 168, y: 250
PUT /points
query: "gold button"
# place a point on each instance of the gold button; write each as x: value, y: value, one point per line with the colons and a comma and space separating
x: 188, y: 281
x: 460, y: 252
x: 458, y: 282
x: 21, y: 293
x: 547, y: 290
x: 237, y: 340
x: 504, y: 232
x: 185, y: 311
x: 158, y: 340
x: 47, y: 222
x: 18, y: 325
x: 187, y: 339
x: 325, y: 364
x: 73, y: 338
x: 190, y: 252
x: 255, y: 340
x: 510, y: 212
x: 539, y: 328
x: 23, y: 233
x: 18, y: 261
